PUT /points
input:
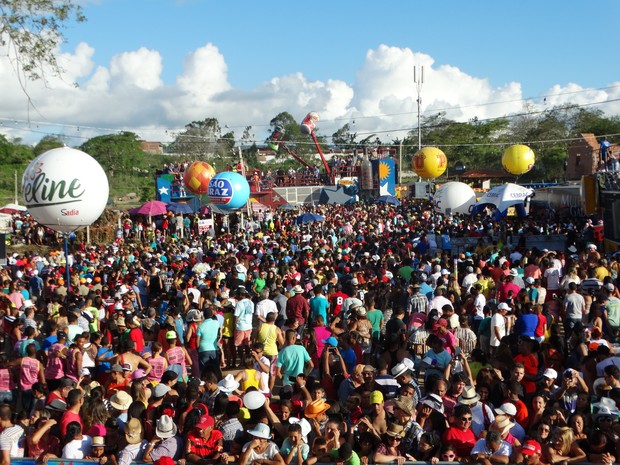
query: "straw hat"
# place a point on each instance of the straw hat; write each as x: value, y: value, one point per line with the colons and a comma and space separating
x: 395, y: 430
x: 469, y: 396
x: 315, y: 408
x: 165, y: 427
x: 502, y: 423
x: 228, y: 384
x: 121, y: 400
x: 133, y: 431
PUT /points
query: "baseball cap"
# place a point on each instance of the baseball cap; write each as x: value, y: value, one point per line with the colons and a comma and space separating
x: 506, y: 409
x: 376, y: 397
x: 171, y: 335
x: 550, y: 373
x: 531, y: 447
x: 441, y: 322
x: 205, y: 421
x: 503, y: 306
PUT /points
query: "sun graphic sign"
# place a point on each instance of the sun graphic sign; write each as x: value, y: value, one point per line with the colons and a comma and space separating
x: 385, y: 170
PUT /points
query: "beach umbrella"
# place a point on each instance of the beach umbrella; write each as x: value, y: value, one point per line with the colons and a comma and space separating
x: 178, y: 207
x: 152, y: 208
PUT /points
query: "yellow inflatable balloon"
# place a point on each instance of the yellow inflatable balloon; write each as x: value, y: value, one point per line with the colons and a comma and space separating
x: 429, y: 162
x: 518, y: 159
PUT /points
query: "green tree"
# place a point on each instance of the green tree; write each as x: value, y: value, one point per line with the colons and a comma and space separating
x: 117, y: 153
x: 47, y: 143
x: 32, y: 31
x: 14, y: 152
x: 201, y: 140
x: 344, y: 139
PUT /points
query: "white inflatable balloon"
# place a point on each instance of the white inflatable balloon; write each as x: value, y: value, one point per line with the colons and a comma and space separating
x: 454, y: 197
x: 65, y: 189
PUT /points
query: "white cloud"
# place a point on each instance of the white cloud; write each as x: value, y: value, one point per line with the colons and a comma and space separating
x: 141, y: 69
x: 129, y: 94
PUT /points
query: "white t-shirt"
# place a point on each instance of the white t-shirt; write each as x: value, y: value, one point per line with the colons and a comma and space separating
x: 553, y: 278
x: 265, y: 307
x: 77, y: 449
x: 504, y: 450
x: 497, y: 321
x: 269, y: 453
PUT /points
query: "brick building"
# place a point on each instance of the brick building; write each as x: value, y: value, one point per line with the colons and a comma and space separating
x: 584, y: 156
x: 156, y: 148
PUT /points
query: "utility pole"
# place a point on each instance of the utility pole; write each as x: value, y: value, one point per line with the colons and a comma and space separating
x: 418, y: 79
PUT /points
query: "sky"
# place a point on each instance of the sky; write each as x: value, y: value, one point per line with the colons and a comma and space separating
x: 153, y: 66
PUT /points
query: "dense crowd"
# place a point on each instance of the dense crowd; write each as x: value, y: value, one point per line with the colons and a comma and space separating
x: 359, y: 339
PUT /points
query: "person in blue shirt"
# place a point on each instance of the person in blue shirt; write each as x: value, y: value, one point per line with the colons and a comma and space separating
x: 318, y: 304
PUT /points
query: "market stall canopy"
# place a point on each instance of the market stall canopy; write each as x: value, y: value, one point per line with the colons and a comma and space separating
x: 308, y: 218
x: 388, y: 199
x: 504, y: 196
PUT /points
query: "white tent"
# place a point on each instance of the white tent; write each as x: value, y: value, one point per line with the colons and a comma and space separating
x: 506, y: 196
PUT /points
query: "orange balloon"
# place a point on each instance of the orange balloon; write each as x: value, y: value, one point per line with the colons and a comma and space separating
x: 197, y: 177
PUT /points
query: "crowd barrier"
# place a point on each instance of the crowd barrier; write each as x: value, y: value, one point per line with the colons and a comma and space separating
x: 31, y: 461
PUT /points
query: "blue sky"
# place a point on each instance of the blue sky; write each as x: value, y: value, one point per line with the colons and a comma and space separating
x: 537, y: 43
x: 155, y: 65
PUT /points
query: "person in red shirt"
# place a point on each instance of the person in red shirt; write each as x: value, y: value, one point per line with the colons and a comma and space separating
x: 297, y: 307
x: 528, y: 357
x: 205, y: 444
x: 337, y: 299
x: 460, y: 435
x: 515, y: 390
x: 75, y: 399
x: 135, y: 334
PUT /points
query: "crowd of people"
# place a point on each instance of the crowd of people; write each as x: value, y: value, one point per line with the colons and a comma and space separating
x: 359, y: 339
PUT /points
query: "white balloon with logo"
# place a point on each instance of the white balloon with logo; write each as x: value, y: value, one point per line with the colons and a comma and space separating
x: 454, y: 197
x: 65, y: 189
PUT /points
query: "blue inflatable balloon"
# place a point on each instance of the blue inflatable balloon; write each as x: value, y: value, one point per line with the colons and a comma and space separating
x: 229, y: 190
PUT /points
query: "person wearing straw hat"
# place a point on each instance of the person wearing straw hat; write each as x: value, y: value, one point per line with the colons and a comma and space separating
x: 261, y: 449
x: 166, y: 442
x: 389, y: 450
x: 136, y: 444
x: 297, y: 307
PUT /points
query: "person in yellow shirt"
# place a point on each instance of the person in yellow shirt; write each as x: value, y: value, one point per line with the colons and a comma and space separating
x: 601, y: 271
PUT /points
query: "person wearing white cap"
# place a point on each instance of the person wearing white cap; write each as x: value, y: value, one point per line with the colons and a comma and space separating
x: 549, y: 377
x: 260, y: 449
x: 510, y: 411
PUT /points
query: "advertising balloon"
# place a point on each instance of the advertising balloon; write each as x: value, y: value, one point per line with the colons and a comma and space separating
x: 454, y: 197
x: 429, y: 162
x: 229, y: 190
x: 65, y: 189
x: 518, y: 159
x: 308, y: 125
x: 197, y: 177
